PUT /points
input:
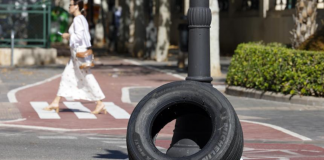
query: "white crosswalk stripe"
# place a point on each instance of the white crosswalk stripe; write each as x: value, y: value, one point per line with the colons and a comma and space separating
x: 116, y: 111
x: 79, y: 110
x: 38, y: 107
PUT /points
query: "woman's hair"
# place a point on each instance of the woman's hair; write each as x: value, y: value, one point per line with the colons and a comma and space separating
x: 80, y: 4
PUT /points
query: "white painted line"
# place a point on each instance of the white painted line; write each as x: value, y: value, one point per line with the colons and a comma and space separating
x: 58, y: 129
x: 133, y: 62
x: 107, y: 139
x: 155, y: 69
x: 160, y: 148
x: 220, y: 87
x: 116, y: 111
x: 57, y: 137
x: 33, y: 127
x: 79, y: 110
x: 290, y: 152
x: 12, y: 121
x: 125, y: 147
x: 38, y: 107
x: 10, y: 134
x: 99, y: 129
x: 125, y: 93
x: 280, y: 129
x: 12, y: 94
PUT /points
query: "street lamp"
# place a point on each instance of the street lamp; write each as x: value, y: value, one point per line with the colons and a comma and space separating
x: 207, y: 127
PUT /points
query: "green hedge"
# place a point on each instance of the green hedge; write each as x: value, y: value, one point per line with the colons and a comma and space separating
x: 276, y: 68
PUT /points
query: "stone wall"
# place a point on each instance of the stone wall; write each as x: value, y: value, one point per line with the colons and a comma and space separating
x: 28, y: 56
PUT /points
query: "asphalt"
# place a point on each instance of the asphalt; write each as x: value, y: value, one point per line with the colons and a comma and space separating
x: 304, y: 120
x: 19, y: 144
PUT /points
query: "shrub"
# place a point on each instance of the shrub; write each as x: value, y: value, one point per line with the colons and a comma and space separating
x: 276, y: 68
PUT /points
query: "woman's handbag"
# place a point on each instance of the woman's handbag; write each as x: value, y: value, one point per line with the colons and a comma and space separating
x: 85, y: 59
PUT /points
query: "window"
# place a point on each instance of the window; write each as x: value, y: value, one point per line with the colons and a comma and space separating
x: 320, y: 4
x: 285, y: 4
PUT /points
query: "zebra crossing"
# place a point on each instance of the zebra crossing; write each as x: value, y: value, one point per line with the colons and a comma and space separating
x: 81, y: 111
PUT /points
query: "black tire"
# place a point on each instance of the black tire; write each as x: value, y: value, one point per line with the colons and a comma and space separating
x: 225, y: 142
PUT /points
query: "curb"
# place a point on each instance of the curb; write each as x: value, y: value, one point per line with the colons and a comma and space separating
x: 272, y: 96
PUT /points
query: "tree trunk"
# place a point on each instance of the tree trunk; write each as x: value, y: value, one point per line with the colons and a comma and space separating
x: 131, y: 27
x: 305, y: 20
x: 140, y: 32
x: 103, y: 20
x: 214, y: 40
x: 151, y: 33
x: 163, y: 43
x: 124, y: 26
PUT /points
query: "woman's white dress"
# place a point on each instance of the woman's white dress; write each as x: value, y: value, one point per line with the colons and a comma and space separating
x: 79, y: 84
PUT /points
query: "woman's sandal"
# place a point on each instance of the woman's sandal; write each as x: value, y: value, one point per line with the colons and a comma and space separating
x: 52, y: 107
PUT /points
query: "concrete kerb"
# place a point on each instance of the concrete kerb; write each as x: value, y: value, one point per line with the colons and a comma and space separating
x: 272, y: 96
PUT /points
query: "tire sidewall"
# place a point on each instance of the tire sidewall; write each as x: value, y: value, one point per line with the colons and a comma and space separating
x: 222, y: 114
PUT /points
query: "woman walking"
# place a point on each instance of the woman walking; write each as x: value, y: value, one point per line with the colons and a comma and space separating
x: 76, y: 83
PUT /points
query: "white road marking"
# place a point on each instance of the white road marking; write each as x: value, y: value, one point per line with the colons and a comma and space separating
x: 155, y: 69
x: 280, y: 129
x: 218, y: 87
x: 57, y: 137
x: 106, y: 139
x: 160, y: 148
x: 290, y: 152
x: 38, y: 107
x: 79, y: 110
x: 116, y: 111
x: 10, y: 134
x: 12, y: 121
x: 58, y: 129
x: 125, y: 93
x: 12, y: 94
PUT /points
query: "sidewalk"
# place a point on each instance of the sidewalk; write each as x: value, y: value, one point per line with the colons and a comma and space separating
x: 272, y: 130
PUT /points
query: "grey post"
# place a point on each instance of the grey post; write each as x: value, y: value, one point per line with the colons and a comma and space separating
x: 200, y: 17
x: 12, y: 46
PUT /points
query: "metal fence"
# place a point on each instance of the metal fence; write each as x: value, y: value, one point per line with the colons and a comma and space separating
x: 30, y: 22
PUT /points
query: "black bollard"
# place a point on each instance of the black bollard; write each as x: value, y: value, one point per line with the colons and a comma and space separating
x: 199, y: 16
x: 191, y: 133
x: 207, y: 126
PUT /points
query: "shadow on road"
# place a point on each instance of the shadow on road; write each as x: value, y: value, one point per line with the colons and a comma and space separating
x: 112, y: 154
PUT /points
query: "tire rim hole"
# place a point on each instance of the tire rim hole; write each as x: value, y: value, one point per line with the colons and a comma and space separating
x: 182, y: 126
